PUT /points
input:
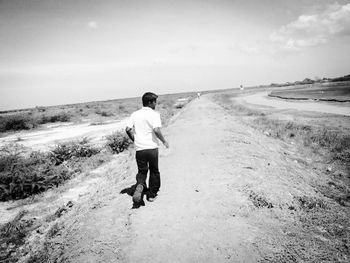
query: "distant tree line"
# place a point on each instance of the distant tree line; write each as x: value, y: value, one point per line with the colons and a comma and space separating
x: 310, y: 81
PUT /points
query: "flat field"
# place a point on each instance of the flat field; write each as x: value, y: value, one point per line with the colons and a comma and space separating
x: 240, y: 183
x: 94, y: 113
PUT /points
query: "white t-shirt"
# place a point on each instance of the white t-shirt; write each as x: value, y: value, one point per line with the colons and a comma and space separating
x: 144, y: 121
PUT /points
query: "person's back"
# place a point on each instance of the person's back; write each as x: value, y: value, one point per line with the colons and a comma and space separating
x: 144, y: 121
x: 143, y: 128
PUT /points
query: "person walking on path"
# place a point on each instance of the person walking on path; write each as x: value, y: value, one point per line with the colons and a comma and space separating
x: 144, y: 129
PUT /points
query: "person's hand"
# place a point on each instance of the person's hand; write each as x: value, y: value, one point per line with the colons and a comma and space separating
x: 166, y: 144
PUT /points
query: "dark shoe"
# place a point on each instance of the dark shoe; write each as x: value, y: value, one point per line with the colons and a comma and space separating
x: 137, y: 196
x: 138, y: 205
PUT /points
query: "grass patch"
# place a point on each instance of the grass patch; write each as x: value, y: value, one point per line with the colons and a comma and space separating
x: 12, y: 235
x: 335, y: 142
x: 68, y: 150
x: 332, y: 142
x: 86, y: 164
x: 308, y: 203
x: 14, y: 231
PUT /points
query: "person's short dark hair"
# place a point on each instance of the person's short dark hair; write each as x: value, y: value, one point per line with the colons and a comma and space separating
x: 148, y: 97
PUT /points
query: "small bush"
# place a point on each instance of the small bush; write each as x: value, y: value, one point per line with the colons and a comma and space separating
x: 17, y: 122
x: 59, y: 117
x: 103, y: 112
x: 22, y: 175
x: 118, y: 142
x: 106, y: 113
x: 66, y: 151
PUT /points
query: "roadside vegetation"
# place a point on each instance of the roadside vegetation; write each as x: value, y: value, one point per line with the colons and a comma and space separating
x: 324, y: 140
x: 93, y: 112
x: 333, y: 141
x: 26, y: 121
x: 25, y: 174
x: 319, y: 144
x: 118, y: 142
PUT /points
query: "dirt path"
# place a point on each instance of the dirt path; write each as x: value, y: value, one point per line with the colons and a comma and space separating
x: 229, y: 194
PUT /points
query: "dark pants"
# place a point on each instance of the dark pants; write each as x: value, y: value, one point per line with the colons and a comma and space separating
x: 148, y: 159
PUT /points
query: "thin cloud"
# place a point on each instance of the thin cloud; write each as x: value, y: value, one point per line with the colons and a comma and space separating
x: 92, y: 24
x: 313, y: 30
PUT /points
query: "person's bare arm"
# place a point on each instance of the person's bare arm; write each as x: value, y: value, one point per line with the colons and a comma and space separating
x: 130, y: 133
x: 160, y: 136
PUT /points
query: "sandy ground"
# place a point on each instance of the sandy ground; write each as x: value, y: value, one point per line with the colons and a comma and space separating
x: 229, y: 194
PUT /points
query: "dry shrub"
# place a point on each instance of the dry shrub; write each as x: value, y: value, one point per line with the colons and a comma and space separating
x: 118, y: 142
x: 104, y: 113
x: 23, y: 174
x: 17, y: 122
x: 58, y: 117
x: 68, y: 150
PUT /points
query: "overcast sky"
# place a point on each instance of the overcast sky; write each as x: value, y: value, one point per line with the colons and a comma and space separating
x: 65, y: 51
